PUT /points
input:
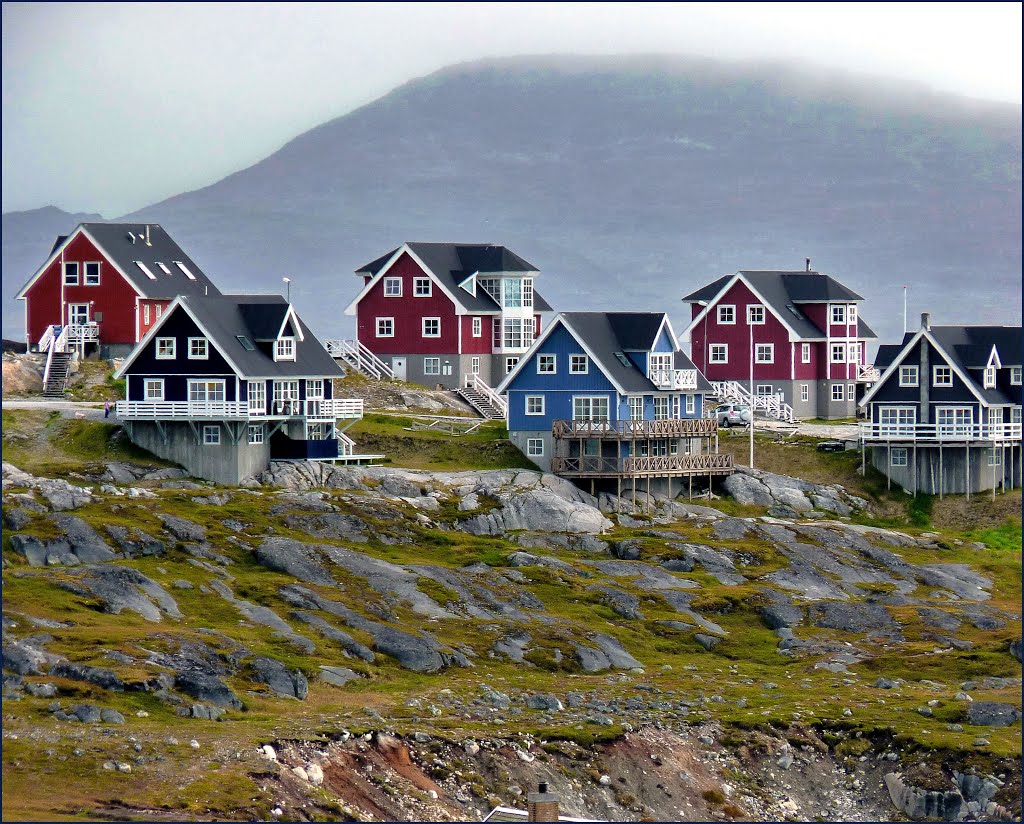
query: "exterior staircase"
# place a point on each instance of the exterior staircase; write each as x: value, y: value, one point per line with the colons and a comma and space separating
x: 483, y: 399
x: 771, y: 406
x: 356, y: 356
x: 58, y: 368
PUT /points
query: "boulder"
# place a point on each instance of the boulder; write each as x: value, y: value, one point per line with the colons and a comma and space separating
x: 709, y: 642
x: 544, y: 702
x: 91, y: 675
x: 852, y: 617
x: 182, y: 529
x: 279, y: 678
x: 122, y: 587
x: 992, y: 714
x: 293, y: 558
x: 87, y: 713
x: 206, y: 687
x: 338, y: 676
x: 747, y: 490
x: 622, y: 603
x: 918, y: 804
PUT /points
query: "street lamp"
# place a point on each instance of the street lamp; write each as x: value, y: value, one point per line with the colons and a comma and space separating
x: 288, y: 283
x: 750, y: 326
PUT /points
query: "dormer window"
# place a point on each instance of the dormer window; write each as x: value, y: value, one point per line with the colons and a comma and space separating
x: 990, y: 377
x: 284, y: 349
x: 512, y: 293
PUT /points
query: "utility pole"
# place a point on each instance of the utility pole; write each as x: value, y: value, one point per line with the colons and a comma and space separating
x: 750, y: 326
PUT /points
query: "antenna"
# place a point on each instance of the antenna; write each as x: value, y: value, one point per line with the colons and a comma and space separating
x: 288, y: 283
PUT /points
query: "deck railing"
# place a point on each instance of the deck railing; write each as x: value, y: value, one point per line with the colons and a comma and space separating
x: 595, y: 466
x: 624, y: 430
x: 356, y: 355
x: 873, y: 432
x: 331, y: 409
x: 867, y: 374
x: 674, y: 378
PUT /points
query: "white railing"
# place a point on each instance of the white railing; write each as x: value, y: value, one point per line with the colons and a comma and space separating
x: 83, y: 332
x: 771, y: 405
x: 873, y: 432
x: 674, y: 378
x: 332, y: 409
x: 356, y: 355
x: 478, y: 384
x: 47, y: 339
x: 868, y: 374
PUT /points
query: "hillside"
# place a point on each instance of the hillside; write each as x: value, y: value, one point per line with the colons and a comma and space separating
x: 629, y: 182
x: 416, y: 645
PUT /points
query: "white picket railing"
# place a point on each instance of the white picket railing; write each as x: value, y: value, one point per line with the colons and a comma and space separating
x: 47, y: 339
x: 868, y: 374
x: 873, y: 432
x: 478, y: 384
x: 674, y: 378
x: 331, y: 409
x: 356, y: 355
x: 771, y: 405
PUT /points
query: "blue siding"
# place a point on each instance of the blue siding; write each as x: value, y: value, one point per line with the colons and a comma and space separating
x: 176, y: 386
x: 664, y: 342
x: 557, y: 407
x: 560, y: 344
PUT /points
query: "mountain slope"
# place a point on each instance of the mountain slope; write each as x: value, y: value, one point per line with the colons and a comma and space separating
x: 631, y: 181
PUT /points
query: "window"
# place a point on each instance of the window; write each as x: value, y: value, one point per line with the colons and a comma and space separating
x: 528, y: 293
x: 159, y: 310
x: 145, y: 314
x: 255, y: 433
x: 492, y: 286
x: 78, y: 313
x: 585, y: 408
x: 1015, y: 414
x: 764, y: 390
x: 942, y: 376
x: 853, y: 352
x: 726, y: 314
x: 184, y: 269
x: 392, y: 287
x: 579, y: 364
x: 805, y: 353
x: 510, y: 364
x: 315, y: 389
x: 198, y: 349
x: 691, y: 404
x: 908, y: 376
x: 851, y: 314
x: 385, y: 327
x: 546, y: 364
x: 422, y: 287
x: 994, y: 456
x: 478, y: 327
x: 534, y: 404
x: 71, y: 274
x: 990, y: 377
x: 897, y: 420
x: 898, y: 456
x: 474, y: 365
x: 1015, y: 374
x: 719, y: 353
x: 512, y: 293
x: 660, y: 408
x: 211, y: 435
x: 838, y: 353
x: 764, y: 353
x: 839, y: 315
x: 92, y: 274
x: 675, y: 407
x: 837, y: 392
x: 431, y: 366
x: 165, y: 348
x: 284, y: 349
x: 805, y: 392
x: 755, y: 314
x: 851, y: 391
x: 153, y: 389
x: 660, y: 371
x: 258, y: 397
x: 200, y: 391
x: 286, y: 397
x: 534, y: 447
x: 514, y: 333
x: 954, y: 421
x: 145, y: 270
x: 636, y: 408
x: 431, y: 327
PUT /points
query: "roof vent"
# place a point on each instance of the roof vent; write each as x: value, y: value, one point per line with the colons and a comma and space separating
x: 150, y: 244
x: 807, y: 259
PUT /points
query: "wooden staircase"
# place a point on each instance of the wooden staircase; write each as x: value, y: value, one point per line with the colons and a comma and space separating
x: 771, y: 406
x: 356, y: 356
x: 483, y: 399
x: 59, y: 366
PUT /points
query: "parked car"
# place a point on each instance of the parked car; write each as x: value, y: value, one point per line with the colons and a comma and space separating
x: 733, y: 414
x: 831, y: 446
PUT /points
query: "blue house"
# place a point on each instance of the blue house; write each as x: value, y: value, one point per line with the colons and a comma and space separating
x: 223, y: 385
x: 610, y: 395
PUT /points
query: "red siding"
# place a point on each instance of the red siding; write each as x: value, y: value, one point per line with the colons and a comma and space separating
x: 816, y: 313
x: 154, y: 306
x: 408, y: 312
x: 114, y: 297
x: 480, y: 345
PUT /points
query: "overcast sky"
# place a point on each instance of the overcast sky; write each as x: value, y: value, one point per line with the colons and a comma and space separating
x: 109, y: 107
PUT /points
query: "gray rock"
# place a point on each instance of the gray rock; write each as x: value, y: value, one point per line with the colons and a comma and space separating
x: 622, y: 603
x: 110, y: 716
x: 747, y: 490
x: 885, y: 684
x: 87, y: 713
x: 628, y: 550
x: 41, y: 690
x: 294, y: 558
x: 780, y: 511
x: 122, y: 587
x: 119, y: 473
x: 992, y: 714
x: 779, y: 615
x: 206, y: 687
x: 135, y: 541
x: 544, y: 702
x: 730, y: 528
x: 709, y: 642
x: 279, y: 678
x: 852, y: 617
x: 338, y: 676
x: 923, y: 804
x: 1015, y: 648
x: 92, y: 675
x: 343, y: 639
x: 17, y: 517
x: 939, y: 618
x: 182, y: 529
x: 331, y: 525
x: 24, y: 658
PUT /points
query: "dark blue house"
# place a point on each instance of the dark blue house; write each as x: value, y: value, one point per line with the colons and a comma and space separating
x: 223, y: 385
x: 610, y: 395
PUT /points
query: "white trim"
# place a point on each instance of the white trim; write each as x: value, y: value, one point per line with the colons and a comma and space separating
x: 423, y: 326
x: 805, y: 352
x: 724, y: 290
x: 770, y: 352
x: 554, y: 363
x: 711, y: 358
x: 1019, y: 372
x: 916, y: 377
x: 586, y: 365
x: 284, y: 357
x: 526, y: 405
x: 353, y: 307
x: 145, y: 389
x: 436, y: 358
x: 750, y: 311
x: 99, y: 272
x: 376, y: 327
x: 732, y: 308
x: 994, y: 359
x: 295, y: 325
x: 174, y: 348
x: 417, y: 280
x: 211, y: 429
x: 935, y: 376
x: 206, y: 355
x: 477, y: 326
x: 530, y: 444
x: 390, y: 281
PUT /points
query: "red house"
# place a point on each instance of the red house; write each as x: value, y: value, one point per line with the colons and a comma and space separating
x: 104, y: 285
x: 448, y: 313
x: 796, y: 337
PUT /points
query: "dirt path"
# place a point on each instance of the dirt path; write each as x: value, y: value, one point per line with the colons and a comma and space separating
x: 69, y: 409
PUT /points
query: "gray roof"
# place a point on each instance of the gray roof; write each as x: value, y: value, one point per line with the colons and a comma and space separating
x: 226, y: 317
x: 605, y: 333
x: 969, y: 348
x: 121, y: 250
x: 452, y: 263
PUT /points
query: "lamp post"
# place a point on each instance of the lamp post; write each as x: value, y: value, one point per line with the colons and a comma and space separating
x: 288, y: 285
x: 750, y: 326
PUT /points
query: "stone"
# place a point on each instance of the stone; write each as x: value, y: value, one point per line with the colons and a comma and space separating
x: 992, y: 714
x: 785, y: 761
x: 268, y: 752
x: 87, y: 713
x: 300, y: 772
x: 290, y: 683
x: 110, y: 716
x: 338, y: 676
x: 315, y: 774
x: 851, y: 617
x: 41, y: 690
x: 207, y: 687
x: 885, y: 684
x: 544, y: 702
x: 99, y: 676
x: 709, y: 642
x: 293, y: 558
x: 182, y: 529
x: 747, y: 490
x: 123, y: 587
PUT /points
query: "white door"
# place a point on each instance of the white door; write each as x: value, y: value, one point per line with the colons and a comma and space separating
x: 398, y: 368
x: 78, y: 314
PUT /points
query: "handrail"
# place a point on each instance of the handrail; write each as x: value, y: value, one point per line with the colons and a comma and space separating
x: 772, y: 405
x: 867, y: 374
x: 872, y: 431
x: 667, y: 428
x: 47, y: 338
x: 475, y: 382
x: 328, y: 409
x: 61, y: 343
x: 674, y: 378
x: 359, y: 357
x: 642, y: 465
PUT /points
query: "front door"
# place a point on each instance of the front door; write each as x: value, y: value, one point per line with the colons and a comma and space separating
x: 78, y: 314
x: 398, y: 368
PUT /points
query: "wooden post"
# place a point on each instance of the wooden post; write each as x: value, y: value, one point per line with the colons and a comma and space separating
x: 888, y: 465
x: 915, y: 467
x: 967, y: 470
x: 942, y: 479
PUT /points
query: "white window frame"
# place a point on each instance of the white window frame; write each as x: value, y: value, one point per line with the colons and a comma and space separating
x: 197, y: 351
x: 764, y: 390
x: 392, y: 287
x: 838, y: 314
x: 910, y: 375
x: 474, y: 365
x: 284, y: 349
x: 434, y: 321
x: 899, y: 456
x: 527, y: 293
x: 718, y: 353
x: 257, y: 391
x: 314, y: 389
x: 432, y: 366
x: 211, y: 434
x: 1015, y: 414
x: 78, y: 313
x: 210, y: 386
x: 422, y: 287
x: 1015, y: 376
x: 478, y: 327
x: 851, y: 315
x: 805, y: 393
x: 954, y: 421
x: 534, y: 447
x: 166, y: 348
x: 510, y: 363
x: 256, y: 433
x: 549, y: 361
x: 286, y: 397
x: 989, y: 381
x: 579, y: 364
x: 727, y: 314
x: 764, y: 353
x: 71, y: 273
x: 897, y: 420
x: 590, y: 401
x: 994, y: 456
x: 662, y: 408
x: 145, y: 270
x: 853, y: 352
x: 756, y: 315
x: 838, y: 392
x: 805, y: 353
x: 388, y: 327
x: 145, y: 314
x: 691, y: 404
x: 91, y: 279
x: 837, y: 353
x: 851, y: 391
x: 159, y: 310
x: 534, y: 405
x: 946, y: 371
x: 153, y: 389
x: 636, y: 407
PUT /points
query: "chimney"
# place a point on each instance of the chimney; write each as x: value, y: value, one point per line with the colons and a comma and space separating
x: 808, y: 264
x: 542, y: 805
x: 926, y: 321
x: 147, y: 236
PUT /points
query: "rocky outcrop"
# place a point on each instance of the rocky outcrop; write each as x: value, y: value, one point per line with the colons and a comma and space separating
x: 59, y: 494
x: 79, y: 544
x: 754, y: 487
x: 918, y: 803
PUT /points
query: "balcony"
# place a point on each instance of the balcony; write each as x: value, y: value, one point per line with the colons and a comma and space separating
x: 867, y: 374
x: 936, y: 433
x: 326, y: 410
x: 678, y: 379
x: 83, y: 332
x: 642, y: 467
x: 628, y: 430
x: 283, y: 448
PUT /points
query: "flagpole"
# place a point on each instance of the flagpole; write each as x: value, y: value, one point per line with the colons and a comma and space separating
x: 905, y: 309
x: 750, y: 326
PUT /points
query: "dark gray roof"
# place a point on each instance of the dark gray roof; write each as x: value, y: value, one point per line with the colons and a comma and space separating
x: 121, y: 250
x: 969, y: 348
x: 226, y: 317
x: 886, y: 354
x: 452, y: 263
x: 706, y: 293
x: 605, y: 333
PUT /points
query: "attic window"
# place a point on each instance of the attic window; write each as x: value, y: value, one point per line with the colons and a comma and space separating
x: 622, y: 359
x: 163, y: 268
x: 184, y: 270
x: 247, y: 344
x: 145, y: 270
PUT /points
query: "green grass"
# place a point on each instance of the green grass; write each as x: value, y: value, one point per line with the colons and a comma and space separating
x: 1005, y: 537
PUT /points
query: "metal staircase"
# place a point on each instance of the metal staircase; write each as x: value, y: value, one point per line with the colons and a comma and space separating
x: 483, y: 399
x: 356, y: 356
x: 771, y: 406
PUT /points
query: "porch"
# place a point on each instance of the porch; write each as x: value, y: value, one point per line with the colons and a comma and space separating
x: 315, y: 409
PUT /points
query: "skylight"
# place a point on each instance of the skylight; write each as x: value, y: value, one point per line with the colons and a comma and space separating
x: 623, y: 359
x: 246, y: 343
x: 184, y: 270
x: 145, y: 270
x: 163, y: 267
